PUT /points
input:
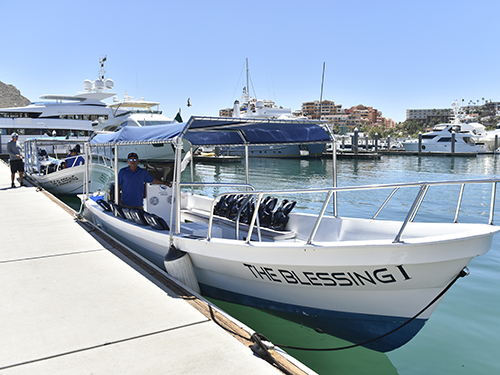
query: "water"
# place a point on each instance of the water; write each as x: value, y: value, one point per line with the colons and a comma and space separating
x: 462, y: 334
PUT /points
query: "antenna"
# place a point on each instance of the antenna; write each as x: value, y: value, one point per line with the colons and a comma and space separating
x: 321, y: 95
x: 102, y: 71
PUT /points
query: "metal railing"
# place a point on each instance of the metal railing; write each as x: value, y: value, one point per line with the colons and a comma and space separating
x: 410, y: 216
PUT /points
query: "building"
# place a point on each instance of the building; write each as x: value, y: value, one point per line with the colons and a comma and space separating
x: 429, y: 115
x: 345, y: 119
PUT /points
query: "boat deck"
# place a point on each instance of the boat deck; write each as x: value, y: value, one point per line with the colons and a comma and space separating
x: 75, y: 301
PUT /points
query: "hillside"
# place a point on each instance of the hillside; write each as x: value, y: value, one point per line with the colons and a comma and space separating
x: 10, y: 96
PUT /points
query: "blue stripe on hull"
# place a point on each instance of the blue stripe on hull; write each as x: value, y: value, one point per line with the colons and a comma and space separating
x: 356, y: 328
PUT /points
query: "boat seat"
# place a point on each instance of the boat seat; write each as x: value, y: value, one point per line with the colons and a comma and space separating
x: 126, y: 212
x: 104, y: 205
x: 270, y: 234
x: 155, y: 221
x: 138, y: 217
x: 117, y: 211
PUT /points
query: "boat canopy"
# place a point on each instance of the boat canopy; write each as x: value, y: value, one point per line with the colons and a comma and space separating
x: 215, y: 131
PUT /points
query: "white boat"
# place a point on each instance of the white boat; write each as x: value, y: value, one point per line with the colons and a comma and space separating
x: 370, y: 281
x: 466, y: 136
x: 491, y: 138
x: 60, y: 115
x: 136, y: 113
x: 46, y: 167
x: 249, y: 107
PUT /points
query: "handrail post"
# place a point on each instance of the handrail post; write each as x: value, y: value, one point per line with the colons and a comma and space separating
x: 419, y: 203
x: 459, y: 203
x: 411, y: 213
x: 254, y: 218
x: 492, y: 204
x: 320, y: 216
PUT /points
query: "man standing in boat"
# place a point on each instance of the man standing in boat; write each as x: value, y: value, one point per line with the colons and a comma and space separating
x: 131, y: 181
x: 74, y: 159
x: 15, y: 159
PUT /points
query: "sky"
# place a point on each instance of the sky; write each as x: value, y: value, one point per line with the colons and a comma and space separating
x: 390, y: 55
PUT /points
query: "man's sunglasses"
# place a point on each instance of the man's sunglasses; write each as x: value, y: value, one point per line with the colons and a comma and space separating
x: 133, y: 159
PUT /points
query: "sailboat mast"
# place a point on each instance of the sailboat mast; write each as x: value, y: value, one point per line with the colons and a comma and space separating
x: 248, y: 87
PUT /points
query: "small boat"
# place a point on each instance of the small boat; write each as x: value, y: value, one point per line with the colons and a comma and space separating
x: 371, y: 281
x: 466, y: 137
x: 48, y: 165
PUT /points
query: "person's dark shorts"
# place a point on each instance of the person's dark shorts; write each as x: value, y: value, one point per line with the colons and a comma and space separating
x: 16, y: 165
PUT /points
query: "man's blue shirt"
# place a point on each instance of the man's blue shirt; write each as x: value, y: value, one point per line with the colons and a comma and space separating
x: 132, y: 185
x: 73, y: 161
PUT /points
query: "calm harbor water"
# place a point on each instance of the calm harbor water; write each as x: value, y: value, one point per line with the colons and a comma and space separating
x: 462, y: 336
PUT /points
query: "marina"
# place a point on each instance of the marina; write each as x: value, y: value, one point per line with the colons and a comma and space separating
x: 76, y: 301
x: 472, y: 304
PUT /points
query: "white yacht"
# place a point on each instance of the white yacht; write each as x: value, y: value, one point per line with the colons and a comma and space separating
x: 467, y: 137
x: 252, y: 108
x: 491, y: 138
x: 133, y: 113
x: 60, y: 115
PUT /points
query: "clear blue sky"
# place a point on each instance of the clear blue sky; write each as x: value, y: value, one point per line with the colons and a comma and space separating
x: 392, y: 55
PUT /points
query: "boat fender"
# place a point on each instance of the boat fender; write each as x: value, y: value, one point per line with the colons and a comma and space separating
x: 104, y: 205
x: 178, y: 265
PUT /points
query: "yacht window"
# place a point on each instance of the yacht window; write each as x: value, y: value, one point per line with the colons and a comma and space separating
x: 445, y: 139
x: 428, y: 136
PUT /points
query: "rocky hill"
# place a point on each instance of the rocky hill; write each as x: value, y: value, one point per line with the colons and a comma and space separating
x: 10, y: 96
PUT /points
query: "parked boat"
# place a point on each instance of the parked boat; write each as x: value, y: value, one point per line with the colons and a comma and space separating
x: 370, y: 281
x: 491, y: 138
x: 466, y: 135
x: 60, y: 115
x: 130, y: 112
x: 249, y: 107
x: 63, y: 174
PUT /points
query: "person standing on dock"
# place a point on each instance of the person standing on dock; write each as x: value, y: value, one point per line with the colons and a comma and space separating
x: 15, y: 159
x: 131, y: 181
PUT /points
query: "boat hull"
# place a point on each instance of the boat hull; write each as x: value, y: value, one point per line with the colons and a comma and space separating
x: 443, y: 147
x: 358, y: 290
x: 71, y: 181
x: 277, y: 151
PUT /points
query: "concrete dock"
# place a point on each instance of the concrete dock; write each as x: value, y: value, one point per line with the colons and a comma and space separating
x: 74, y: 301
